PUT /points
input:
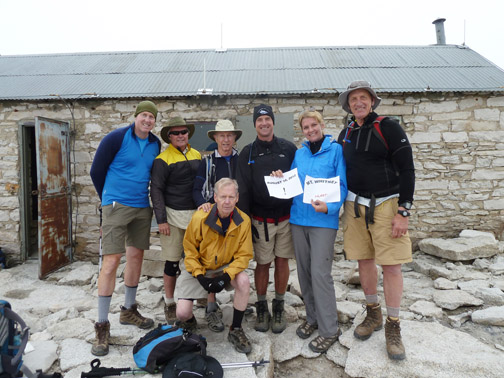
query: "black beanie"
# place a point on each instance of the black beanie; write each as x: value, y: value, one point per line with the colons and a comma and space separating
x: 261, y: 110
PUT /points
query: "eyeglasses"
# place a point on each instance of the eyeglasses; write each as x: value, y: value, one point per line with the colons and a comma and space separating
x: 179, y: 132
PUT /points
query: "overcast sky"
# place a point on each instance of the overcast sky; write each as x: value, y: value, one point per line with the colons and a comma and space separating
x: 64, y: 26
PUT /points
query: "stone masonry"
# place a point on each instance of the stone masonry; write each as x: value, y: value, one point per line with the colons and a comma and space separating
x: 457, y: 139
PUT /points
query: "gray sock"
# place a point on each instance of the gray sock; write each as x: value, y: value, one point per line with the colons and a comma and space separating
x: 103, y: 308
x: 393, y: 312
x: 211, y: 307
x: 279, y: 297
x: 130, y: 296
x: 372, y: 299
x: 261, y: 297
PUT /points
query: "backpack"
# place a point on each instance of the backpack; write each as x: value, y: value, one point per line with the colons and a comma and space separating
x: 13, y: 338
x: 158, y: 346
x: 376, y: 131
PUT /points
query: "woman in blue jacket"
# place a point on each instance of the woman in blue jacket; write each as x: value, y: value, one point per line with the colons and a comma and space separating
x: 314, y: 228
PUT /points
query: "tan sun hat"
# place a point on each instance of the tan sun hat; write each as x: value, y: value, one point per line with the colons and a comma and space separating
x: 224, y: 125
x: 353, y: 86
x: 174, y: 122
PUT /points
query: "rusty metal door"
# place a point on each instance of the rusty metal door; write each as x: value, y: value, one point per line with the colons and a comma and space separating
x: 54, y: 194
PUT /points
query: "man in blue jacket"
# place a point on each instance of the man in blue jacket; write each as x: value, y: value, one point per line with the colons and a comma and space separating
x: 121, y: 174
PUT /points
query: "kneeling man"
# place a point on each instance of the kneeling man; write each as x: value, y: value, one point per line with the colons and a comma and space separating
x: 218, y: 248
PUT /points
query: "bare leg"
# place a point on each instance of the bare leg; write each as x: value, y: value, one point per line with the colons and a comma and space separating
x: 134, y: 260
x: 261, y: 277
x: 281, y: 274
x: 392, y: 285
x: 368, y: 276
x: 241, y: 285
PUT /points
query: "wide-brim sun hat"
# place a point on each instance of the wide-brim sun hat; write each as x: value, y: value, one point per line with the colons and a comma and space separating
x: 353, y: 86
x: 193, y: 365
x: 174, y: 122
x: 223, y: 125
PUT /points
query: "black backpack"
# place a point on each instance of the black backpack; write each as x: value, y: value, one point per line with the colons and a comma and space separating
x: 158, y: 346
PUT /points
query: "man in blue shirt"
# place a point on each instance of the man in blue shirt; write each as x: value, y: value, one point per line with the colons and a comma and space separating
x: 121, y: 174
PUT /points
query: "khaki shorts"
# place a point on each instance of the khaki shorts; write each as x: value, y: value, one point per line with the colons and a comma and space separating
x: 375, y: 242
x: 125, y: 226
x: 188, y: 287
x: 279, y: 244
x: 172, y: 246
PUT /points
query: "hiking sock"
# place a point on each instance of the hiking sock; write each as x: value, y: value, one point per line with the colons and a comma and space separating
x: 393, y: 312
x: 169, y: 300
x: 372, y: 299
x: 237, y: 318
x: 261, y: 297
x: 103, y: 307
x: 279, y: 297
x: 211, y: 307
x: 129, y: 296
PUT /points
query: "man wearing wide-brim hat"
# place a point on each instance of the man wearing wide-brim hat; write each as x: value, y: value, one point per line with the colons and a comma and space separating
x: 219, y: 164
x: 173, y: 173
x: 381, y: 182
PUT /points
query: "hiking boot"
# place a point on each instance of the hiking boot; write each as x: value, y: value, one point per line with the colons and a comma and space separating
x: 214, y: 319
x: 170, y: 312
x: 321, y: 344
x: 372, y: 322
x: 263, y: 316
x: 101, y: 344
x: 279, y: 323
x: 133, y: 317
x: 239, y: 340
x: 189, y: 325
x: 395, y: 347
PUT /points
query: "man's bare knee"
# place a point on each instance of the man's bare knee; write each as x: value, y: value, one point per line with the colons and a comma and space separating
x: 184, y: 309
x: 242, y: 282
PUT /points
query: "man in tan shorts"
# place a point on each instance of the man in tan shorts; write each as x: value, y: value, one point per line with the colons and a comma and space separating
x: 218, y: 248
x: 381, y: 182
x: 173, y: 173
x: 121, y: 173
x: 270, y: 215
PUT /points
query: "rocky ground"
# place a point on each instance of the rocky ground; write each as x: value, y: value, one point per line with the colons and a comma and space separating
x: 452, y: 318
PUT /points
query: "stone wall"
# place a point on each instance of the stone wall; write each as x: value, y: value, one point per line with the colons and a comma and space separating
x: 458, y: 143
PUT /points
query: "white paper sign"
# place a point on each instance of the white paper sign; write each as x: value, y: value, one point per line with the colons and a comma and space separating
x: 322, y: 189
x: 284, y: 187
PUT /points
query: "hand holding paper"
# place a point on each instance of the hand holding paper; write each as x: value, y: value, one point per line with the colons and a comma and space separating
x: 284, y: 187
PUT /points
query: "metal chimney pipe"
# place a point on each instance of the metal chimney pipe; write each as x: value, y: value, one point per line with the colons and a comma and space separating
x: 440, y: 34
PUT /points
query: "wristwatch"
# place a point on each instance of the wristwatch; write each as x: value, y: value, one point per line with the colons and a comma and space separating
x: 406, y: 205
x: 404, y: 213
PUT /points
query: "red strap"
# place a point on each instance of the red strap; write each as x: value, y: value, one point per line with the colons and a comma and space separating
x: 376, y: 125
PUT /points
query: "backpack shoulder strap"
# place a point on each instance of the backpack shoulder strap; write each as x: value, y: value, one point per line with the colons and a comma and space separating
x: 377, y: 130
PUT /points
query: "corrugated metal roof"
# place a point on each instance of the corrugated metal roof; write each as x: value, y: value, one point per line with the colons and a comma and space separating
x: 293, y: 70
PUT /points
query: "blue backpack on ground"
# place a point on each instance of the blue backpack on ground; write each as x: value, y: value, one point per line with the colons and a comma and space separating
x: 13, y: 338
x: 157, y: 347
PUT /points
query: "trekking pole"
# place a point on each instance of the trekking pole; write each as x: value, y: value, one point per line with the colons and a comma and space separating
x: 98, y: 372
x: 233, y: 365
x: 101, y: 249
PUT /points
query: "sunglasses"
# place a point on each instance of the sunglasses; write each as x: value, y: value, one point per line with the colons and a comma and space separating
x: 183, y: 132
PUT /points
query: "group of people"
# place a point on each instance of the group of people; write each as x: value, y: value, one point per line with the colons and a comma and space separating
x: 215, y: 214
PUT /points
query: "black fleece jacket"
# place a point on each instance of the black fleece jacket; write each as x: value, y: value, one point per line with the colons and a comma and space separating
x: 371, y: 167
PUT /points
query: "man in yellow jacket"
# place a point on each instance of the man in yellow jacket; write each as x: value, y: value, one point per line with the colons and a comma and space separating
x: 218, y: 248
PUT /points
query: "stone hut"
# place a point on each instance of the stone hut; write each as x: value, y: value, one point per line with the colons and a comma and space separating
x: 55, y: 109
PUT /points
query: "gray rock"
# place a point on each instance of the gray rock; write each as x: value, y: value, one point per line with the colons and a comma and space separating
x: 348, y: 310
x: 460, y: 249
x: 481, y: 264
x: 491, y: 296
x: 447, y: 357
x: 453, y: 299
x: 427, y: 309
x: 444, y: 284
x: 489, y: 316
x: 456, y: 321
x: 477, y: 234
x: 80, y: 275
x: 473, y: 286
x: 442, y: 272
x: 497, y: 267
x: 42, y: 356
x: 71, y: 328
